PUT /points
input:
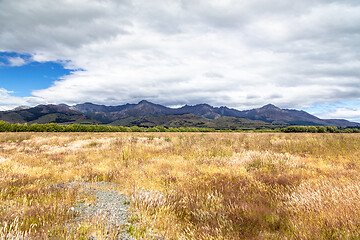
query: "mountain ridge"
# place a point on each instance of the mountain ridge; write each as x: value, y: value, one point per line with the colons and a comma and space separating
x: 148, y: 114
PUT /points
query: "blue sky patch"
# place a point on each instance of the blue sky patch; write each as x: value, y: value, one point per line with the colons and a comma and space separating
x: 326, y: 110
x: 24, y: 77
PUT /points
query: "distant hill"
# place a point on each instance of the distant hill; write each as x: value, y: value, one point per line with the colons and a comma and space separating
x: 148, y: 114
x: 272, y: 114
x: 46, y: 114
x: 191, y: 120
x: 268, y: 113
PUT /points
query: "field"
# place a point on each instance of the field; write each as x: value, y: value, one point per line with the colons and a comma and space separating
x: 183, y: 185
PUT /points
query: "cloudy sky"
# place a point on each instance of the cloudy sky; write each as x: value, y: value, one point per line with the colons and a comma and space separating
x: 239, y: 53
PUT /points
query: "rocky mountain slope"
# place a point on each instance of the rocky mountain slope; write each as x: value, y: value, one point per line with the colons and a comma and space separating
x: 46, y: 114
x: 149, y: 114
x: 268, y: 113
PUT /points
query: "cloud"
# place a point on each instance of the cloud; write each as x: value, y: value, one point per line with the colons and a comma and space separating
x: 16, y: 61
x: 241, y: 54
x: 3, y: 92
x: 8, y: 101
x: 348, y: 113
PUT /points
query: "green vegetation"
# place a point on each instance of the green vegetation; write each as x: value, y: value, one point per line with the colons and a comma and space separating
x: 191, y: 120
x: 319, y: 129
x: 53, y: 127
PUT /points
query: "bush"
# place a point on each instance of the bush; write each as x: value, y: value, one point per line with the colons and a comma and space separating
x: 53, y: 127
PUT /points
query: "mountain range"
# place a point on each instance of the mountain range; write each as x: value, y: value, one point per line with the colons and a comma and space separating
x: 147, y: 114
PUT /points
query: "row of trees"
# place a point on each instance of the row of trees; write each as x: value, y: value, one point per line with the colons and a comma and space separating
x: 53, y: 127
x: 319, y: 129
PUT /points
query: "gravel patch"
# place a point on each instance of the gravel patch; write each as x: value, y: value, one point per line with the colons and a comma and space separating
x: 109, y: 205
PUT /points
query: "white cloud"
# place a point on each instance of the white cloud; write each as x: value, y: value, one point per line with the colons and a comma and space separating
x: 16, y: 61
x: 237, y: 53
x: 348, y: 113
x: 7, y: 101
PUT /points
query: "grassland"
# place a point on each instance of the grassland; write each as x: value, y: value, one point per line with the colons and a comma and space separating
x: 199, y: 185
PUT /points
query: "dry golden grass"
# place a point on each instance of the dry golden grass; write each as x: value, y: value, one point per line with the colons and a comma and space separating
x: 185, y: 185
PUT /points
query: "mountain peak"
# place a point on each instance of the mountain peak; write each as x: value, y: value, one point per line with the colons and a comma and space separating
x: 204, y: 105
x: 20, y: 108
x: 64, y: 105
x: 270, y: 106
x: 144, y: 102
x: 88, y: 103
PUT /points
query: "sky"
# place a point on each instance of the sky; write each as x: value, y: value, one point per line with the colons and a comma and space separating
x: 237, y: 53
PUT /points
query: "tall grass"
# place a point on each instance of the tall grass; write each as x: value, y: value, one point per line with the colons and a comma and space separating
x: 185, y: 185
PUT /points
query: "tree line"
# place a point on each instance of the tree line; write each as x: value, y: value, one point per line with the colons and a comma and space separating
x: 53, y: 127
x: 319, y: 129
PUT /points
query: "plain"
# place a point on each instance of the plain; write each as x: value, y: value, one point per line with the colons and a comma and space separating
x: 196, y: 185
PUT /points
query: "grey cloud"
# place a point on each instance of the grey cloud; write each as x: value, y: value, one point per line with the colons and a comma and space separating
x: 213, y: 75
x: 252, y: 96
x: 275, y: 95
x: 32, y: 26
x: 234, y: 53
x: 346, y: 93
